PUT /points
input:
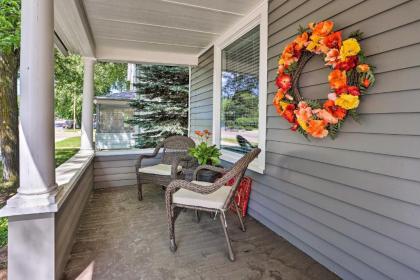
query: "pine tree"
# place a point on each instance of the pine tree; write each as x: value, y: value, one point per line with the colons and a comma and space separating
x: 161, y: 109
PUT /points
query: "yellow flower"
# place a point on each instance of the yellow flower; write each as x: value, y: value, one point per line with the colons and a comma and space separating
x: 347, y: 101
x: 283, y: 105
x: 350, y: 47
x: 302, y: 124
x: 313, y: 43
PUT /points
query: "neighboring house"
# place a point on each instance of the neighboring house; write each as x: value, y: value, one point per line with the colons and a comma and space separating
x: 352, y: 204
x: 112, y: 112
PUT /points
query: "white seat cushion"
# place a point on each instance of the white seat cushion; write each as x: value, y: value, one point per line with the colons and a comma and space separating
x: 215, y: 200
x: 159, y: 169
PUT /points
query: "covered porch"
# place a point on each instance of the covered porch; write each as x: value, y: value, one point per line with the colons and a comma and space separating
x: 318, y: 209
x: 120, y: 238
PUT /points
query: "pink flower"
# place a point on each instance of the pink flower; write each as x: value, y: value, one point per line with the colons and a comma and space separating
x: 326, y: 116
x: 304, y: 112
x: 332, y: 96
x: 288, y: 96
x: 332, y: 57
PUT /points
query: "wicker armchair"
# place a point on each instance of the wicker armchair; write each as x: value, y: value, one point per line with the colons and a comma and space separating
x: 174, y: 158
x: 203, y: 196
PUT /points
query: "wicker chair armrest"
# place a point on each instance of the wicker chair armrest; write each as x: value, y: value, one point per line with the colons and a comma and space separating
x: 143, y: 156
x: 208, y: 167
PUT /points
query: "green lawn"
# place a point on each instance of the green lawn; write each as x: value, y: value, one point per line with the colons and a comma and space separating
x: 72, y: 142
x: 72, y: 130
x: 64, y: 150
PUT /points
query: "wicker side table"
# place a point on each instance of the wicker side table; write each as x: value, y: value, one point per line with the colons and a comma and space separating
x: 188, y: 172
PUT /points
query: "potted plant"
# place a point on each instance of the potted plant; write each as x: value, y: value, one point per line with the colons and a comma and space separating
x: 206, y: 154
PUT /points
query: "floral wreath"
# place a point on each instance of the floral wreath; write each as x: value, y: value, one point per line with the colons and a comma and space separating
x: 350, y: 77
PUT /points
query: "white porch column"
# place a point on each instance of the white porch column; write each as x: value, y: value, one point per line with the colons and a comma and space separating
x: 36, y: 109
x: 87, y: 104
x: 31, y: 249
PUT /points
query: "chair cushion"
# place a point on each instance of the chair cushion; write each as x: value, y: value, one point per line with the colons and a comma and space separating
x: 159, y: 169
x: 215, y: 200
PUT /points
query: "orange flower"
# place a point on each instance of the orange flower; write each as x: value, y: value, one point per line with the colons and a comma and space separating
x: 206, y: 132
x: 336, y: 111
x: 281, y: 107
x: 279, y: 96
x: 284, y: 82
x: 363, y: 68
x: 322, y: 28
x: 288, y: 114
x: 326, y: 116
x: 301, y: 41
x: 353, y: 90
x: 366, y: 82
x: 279, y: 110
x: 199, y: 133
x: 333, y: 41
x: 286, y: 111
x: 347, y: 64
x: 316, y: 128
x: 280, y: 70
x: 289, y: 55
x: 337, y: 79
x: 332, y: 57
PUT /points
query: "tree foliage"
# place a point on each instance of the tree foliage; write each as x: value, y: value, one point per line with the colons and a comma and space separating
x: 69, y: 82
x: 9, y: 65
x: 9, y: 26
x: 240, y: 100
x: 241, y: 111
x: 162, y: 105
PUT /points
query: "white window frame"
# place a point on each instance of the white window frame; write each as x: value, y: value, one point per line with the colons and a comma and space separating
x: 259, y: 16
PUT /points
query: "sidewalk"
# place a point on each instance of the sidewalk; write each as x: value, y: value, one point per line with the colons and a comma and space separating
x: 61, y: 134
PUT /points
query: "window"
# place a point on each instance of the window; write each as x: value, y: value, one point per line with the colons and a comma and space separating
x: 240, y: 89
x: 239, y: 93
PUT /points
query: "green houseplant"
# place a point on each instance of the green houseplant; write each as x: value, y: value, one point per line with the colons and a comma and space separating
x: 206, y: 154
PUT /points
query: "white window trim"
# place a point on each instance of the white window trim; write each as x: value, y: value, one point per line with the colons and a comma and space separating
x: 259, y: 16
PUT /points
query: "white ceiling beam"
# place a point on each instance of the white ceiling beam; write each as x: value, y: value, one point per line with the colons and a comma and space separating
x: 230, y: 33
x: 60, y: 45
x: 154, y: 25
x: 202, y: 7
x: 98, y: 38
x: 113, y: 54
x: 72, y: 26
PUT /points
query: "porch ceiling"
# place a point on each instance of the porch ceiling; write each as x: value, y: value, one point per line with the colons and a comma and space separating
x: 155, y: 31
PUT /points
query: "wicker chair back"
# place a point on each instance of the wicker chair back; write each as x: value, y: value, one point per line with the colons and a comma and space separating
x: 176, y: 147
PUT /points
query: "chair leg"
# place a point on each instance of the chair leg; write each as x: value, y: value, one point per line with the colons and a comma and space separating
x: 171, y: 223
x: 241, y: 221
x: 140, y: 191
x: 197, y: 216
x: 229, y: 245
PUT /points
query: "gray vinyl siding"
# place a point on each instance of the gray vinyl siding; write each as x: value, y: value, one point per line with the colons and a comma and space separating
x: 353, y: 203
x: 67, y: 218
x: 201, y: 96
x: 117, y: 170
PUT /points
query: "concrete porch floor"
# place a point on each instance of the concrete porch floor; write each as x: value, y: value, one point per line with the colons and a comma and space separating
x: 122, y: 238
